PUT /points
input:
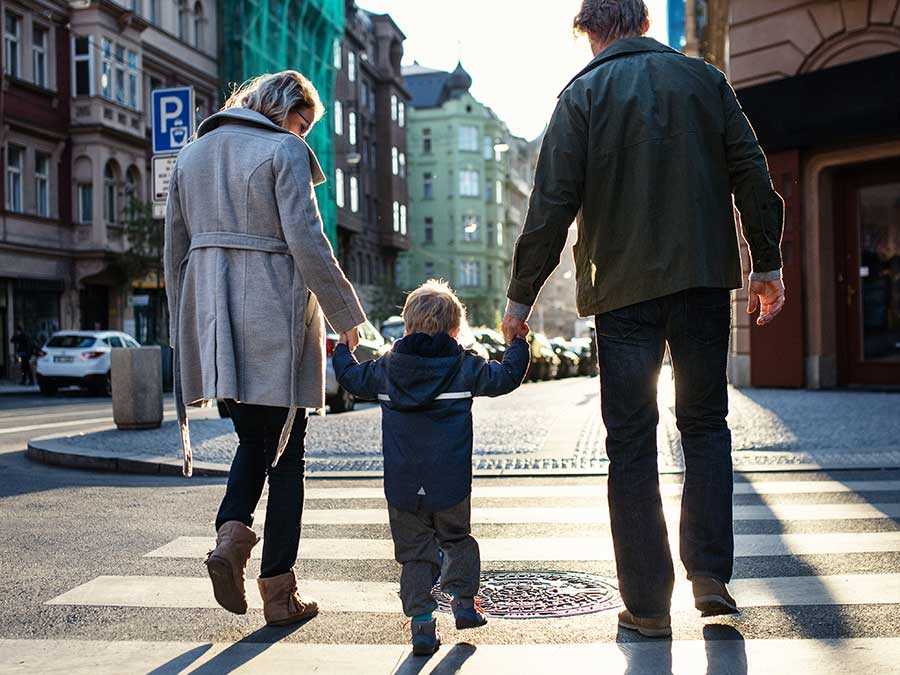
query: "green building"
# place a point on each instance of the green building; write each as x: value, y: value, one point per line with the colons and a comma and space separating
x: 464, y: 204
x: 264, y: 36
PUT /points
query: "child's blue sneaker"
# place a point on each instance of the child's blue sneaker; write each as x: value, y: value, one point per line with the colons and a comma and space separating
x: 468, y: 613
x: 425, y: 637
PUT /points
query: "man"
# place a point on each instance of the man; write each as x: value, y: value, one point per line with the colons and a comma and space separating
x: 646, y: 147
x: 24, y: 349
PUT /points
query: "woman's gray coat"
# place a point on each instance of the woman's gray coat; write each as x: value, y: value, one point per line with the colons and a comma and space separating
x: 249, y: 270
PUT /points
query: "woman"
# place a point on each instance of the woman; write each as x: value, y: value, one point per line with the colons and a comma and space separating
x: 249, y: 273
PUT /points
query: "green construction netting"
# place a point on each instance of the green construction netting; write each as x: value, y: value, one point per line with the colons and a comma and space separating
x: 264, y: 36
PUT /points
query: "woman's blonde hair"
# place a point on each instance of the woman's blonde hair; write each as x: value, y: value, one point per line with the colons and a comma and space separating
x: 276, y: 95
x: 433, y: 308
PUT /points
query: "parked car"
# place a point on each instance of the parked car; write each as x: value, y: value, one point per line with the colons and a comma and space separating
x: 81, y: 359
x: 568, y: 359
x: 492, y: 341
x: 586, y: 350
x: 392, y: 328
x: 371, y: 345
x: 544, y: 362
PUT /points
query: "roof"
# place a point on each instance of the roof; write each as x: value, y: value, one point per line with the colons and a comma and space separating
x: 430, y: 88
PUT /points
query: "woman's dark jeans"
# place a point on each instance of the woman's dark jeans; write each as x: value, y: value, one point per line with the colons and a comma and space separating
x: 258, y: 429
x: 631, y: 343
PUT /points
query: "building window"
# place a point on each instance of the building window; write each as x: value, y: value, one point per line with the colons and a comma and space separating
x: 85, y: 203
x: 490, y: 276
x: 339, y: 187
x: 154, y: 11
x: 109, y: 193
x: 132, y: 80
x: 106, y: 74
x: 182, y: 21
x: 132, y: 191
x: 498, y: 192
x: 84, y: 65
x: 351, y: 127
x: 402, y: 164
x: 11, y: 25
x: 499, y: 234
x: 469, y: 273
x: 394, y: 107
x: 403, y: 219
x: 136, y: 6
x: 490, y: 234
x: 428, y: 267
x: 471, y: 231
x: 354, y: 194
x: 429, y: 230
x: 339, y: 118
x: 15, y: 160
x: 426, y: 141
x: 39, y: 56
x: 468, y: 138
x: 337, y: 58
x: 395, y: 161
x: 396, y: 216
x: 428, y: 186
x: 120, y: 74
x: 351, y: 66
x: 488, y: 147
x: 401, y: 114
x: 42, y: 184
x: 198, y: 25
x: 469, y: 183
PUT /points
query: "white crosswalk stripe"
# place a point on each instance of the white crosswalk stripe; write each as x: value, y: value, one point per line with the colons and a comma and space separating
x: 518, y: 506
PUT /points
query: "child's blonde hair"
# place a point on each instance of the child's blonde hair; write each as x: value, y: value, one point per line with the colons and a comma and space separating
x: 433, y: 308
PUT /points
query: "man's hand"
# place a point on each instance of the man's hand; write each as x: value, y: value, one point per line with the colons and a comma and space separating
x: 770, y: 296
x: 350, y: 338
x: 514, y: 328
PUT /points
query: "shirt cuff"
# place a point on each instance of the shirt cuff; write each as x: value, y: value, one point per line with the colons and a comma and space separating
x: 774, y: 275
x: 517, y: 310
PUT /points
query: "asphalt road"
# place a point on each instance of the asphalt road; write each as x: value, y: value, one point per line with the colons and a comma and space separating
x: 821, y: 588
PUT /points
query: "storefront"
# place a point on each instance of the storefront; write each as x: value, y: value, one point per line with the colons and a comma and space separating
x: 36, y: 307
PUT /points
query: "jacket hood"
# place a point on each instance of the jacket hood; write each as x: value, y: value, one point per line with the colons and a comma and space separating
x: 421, y: 367
x: 253, y: 118
x: 619, y: 48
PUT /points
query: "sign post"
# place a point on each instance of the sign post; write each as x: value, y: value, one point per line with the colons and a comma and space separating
x: 172, y: 122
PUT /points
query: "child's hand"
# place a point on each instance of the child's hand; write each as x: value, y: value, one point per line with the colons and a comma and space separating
x: 350, y: 338
x: 523, y: 331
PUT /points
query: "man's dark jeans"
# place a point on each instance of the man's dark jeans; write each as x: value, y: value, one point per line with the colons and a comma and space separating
x: 631, y: 343
x: 258, y: 429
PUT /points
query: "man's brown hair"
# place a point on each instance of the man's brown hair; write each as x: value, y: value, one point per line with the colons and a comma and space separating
x: 609, y: 20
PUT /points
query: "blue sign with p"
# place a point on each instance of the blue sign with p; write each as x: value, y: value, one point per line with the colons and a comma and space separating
x: 172, y: 118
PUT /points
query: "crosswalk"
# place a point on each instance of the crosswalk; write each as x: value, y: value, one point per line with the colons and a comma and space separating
x: 817, y: 563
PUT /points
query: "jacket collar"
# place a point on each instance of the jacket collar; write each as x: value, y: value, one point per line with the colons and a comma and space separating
x: 253, y: 118
x: 619, y: 48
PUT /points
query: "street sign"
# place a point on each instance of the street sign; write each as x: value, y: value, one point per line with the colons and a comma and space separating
x: 162, y: 168
x: 172, y: 118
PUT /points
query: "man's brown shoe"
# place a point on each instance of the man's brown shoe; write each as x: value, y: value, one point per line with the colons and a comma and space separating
x: 226, y: 565
x: 711, y: 597
x: 656, y: 628
x: 282, y: 605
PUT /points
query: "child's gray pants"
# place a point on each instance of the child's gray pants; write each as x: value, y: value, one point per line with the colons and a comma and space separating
x: 418, y: 539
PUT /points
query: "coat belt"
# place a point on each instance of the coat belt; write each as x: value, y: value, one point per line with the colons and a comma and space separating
x: 246, y: 242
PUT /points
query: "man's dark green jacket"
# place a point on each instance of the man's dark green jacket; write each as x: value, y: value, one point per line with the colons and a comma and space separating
x: 646, y: 148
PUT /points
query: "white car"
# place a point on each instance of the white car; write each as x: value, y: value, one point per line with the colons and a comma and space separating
x: 79, y: 358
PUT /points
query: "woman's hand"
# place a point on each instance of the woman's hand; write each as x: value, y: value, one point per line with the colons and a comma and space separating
x: 350, y: 338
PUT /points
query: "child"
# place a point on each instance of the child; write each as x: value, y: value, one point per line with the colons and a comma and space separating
x: 425, y: 386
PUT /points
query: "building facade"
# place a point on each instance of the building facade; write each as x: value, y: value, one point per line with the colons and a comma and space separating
x: 820, y: 82
x: 369, y: 121
x: 462, y: 221
x: 77, y: 81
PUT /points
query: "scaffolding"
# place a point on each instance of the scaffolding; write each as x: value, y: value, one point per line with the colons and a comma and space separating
x: 264, y: 36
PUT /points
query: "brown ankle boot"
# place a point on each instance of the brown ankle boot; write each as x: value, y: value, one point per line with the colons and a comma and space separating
x: 660, y: 627
x: 227, y: 565
x: 712, y: 598
x: 282, y: 605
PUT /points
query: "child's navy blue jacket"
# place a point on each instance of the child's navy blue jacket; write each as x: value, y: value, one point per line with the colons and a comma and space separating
x: 425, y: 385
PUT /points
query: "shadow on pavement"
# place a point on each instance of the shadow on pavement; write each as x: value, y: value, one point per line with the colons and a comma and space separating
x: 644, y: 656
x: 234, y: 657
x: 726, y: 652
x: 452, y: 662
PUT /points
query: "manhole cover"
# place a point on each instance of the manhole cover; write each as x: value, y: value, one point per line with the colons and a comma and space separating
x: 539, y: 595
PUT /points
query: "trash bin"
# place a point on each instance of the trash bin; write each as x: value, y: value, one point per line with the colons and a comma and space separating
x: 137, y: 387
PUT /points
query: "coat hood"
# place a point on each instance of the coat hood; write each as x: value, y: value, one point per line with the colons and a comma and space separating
x: 253, y: 118
x: 421, y: 367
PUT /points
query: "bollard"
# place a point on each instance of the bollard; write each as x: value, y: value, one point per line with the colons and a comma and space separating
x: 137, y: 388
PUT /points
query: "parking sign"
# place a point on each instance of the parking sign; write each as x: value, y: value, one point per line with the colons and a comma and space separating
x: 173, y: 118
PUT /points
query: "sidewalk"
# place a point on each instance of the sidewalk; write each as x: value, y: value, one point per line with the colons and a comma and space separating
x: 542, y: 429
x: 8, y: 388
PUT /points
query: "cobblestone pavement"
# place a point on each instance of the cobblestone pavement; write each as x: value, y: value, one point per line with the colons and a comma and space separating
x: 556, y: 426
